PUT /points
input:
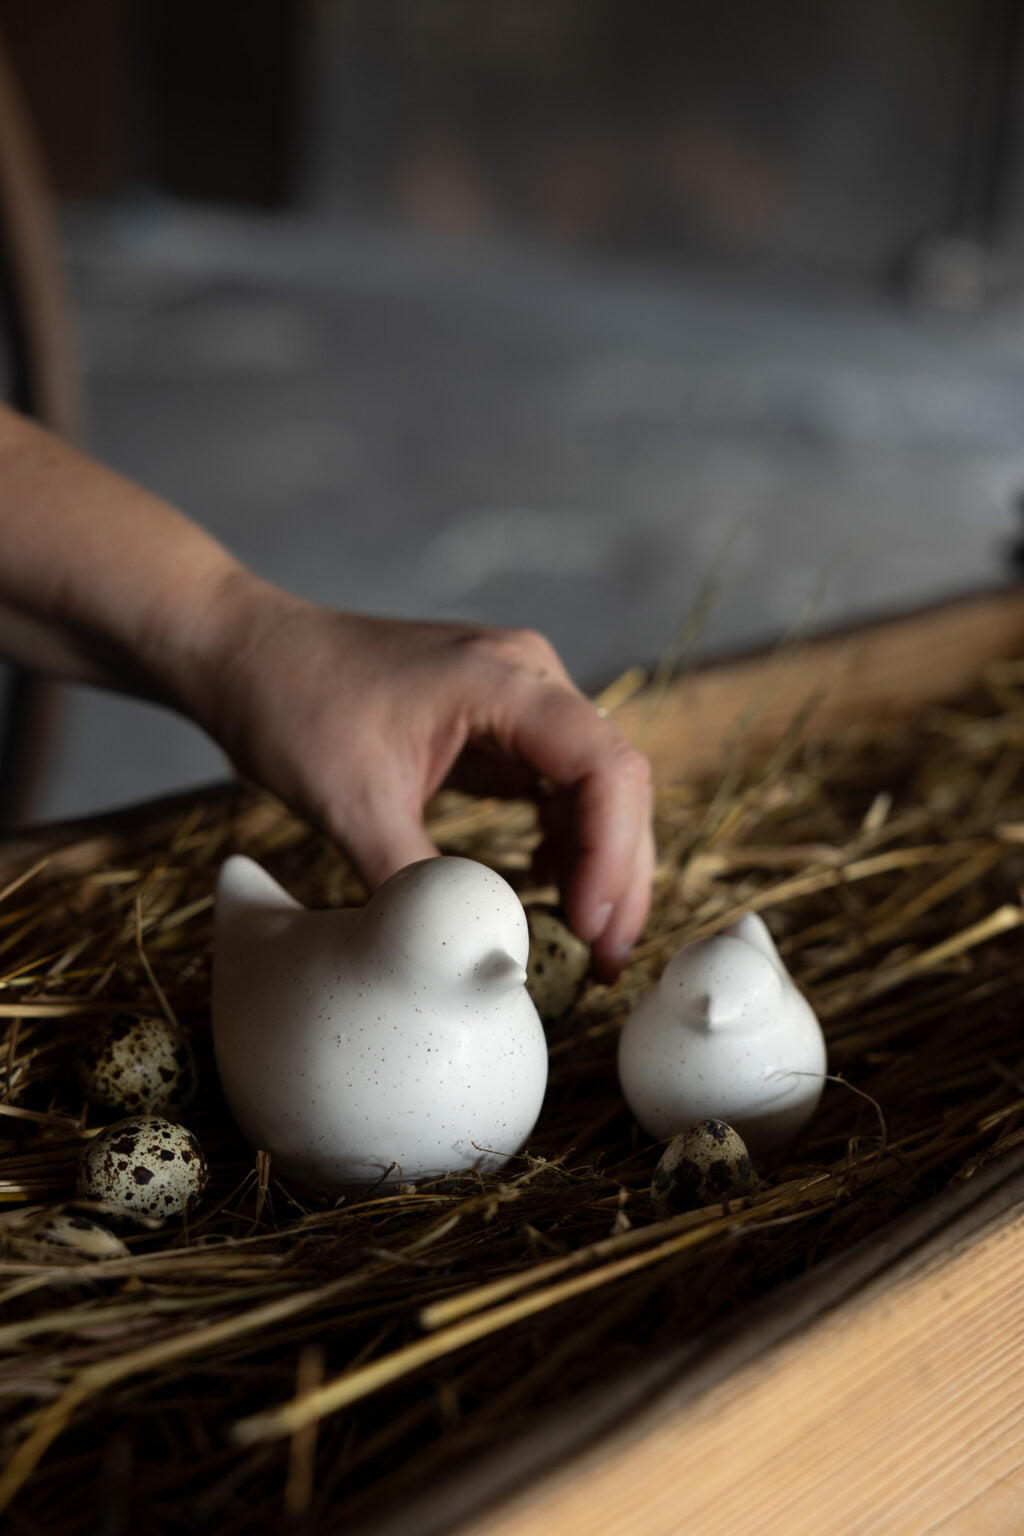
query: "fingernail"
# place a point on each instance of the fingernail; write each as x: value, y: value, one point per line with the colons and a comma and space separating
x: 600, y: 923
x: 610, y: 963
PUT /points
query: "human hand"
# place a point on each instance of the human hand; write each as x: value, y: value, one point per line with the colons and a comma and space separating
x: 355, y: 722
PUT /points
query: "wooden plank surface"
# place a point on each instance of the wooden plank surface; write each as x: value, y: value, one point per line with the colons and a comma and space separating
x: 900, y: 1413
x: 867, y: 674
x: 522, y: 1484
x: 996, y: 1511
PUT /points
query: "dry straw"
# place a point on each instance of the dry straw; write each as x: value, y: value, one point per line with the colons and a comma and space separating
x: 284, y: 1362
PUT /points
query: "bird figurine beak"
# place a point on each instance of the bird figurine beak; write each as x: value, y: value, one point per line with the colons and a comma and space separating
x: 500, y: 972
x: 702, y: 1016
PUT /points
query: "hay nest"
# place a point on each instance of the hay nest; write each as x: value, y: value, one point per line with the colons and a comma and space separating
x: 279, y: 1358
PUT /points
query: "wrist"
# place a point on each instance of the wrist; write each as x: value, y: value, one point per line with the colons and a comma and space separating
x: 231, y: 618
x: 197, y: 629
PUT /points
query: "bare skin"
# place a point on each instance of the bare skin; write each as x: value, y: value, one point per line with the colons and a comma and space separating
x: 353, y: 721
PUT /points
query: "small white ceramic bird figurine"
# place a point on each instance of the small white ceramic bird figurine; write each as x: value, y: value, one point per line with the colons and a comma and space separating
x: 391, y: 1041
x: 725, y: 1034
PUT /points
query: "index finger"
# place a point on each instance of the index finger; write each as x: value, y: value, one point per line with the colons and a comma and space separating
x: 565, y: 738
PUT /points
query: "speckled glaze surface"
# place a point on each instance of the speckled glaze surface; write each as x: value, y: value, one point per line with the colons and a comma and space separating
x: 392, y: 1041
x: 725, y: 1034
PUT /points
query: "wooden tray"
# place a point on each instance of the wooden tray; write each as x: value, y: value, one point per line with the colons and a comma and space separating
x: 883, y: 1393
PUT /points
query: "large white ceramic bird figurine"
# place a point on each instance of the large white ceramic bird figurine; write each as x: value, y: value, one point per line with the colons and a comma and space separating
x: 386, y: 1042
x: 725, y: 1034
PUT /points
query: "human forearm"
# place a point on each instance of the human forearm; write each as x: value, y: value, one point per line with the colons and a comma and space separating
x: 99, y: 581
x: 354, y: 721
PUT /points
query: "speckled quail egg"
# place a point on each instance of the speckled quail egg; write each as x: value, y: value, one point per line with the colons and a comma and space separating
x: 558, y: 963
x: 143, y: 1166
x: 706, y: 1164
x: 137, y: 1062
x: 63, y: 1237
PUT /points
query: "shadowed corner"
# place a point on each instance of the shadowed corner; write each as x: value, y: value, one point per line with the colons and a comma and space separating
x: 39, y: 377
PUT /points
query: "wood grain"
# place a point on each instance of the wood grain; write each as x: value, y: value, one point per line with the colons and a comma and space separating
x: 867, y: 674
x: 892, y: 1415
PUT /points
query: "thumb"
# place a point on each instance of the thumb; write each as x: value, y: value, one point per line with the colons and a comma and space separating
x: 381, y: 832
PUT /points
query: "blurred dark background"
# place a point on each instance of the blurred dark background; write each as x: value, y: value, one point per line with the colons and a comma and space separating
x: 825, y: 135
x: 544, y: 313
